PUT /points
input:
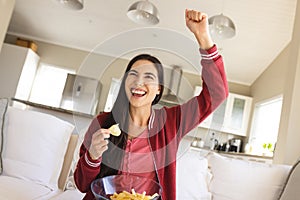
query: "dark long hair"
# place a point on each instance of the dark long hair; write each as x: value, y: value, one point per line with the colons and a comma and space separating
x: 112, y: 158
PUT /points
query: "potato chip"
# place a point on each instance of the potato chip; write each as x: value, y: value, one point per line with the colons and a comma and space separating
x: 115, y: 130
x: 132, y: 196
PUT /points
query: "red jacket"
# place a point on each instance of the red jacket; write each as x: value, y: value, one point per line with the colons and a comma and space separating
x: 167, y: 126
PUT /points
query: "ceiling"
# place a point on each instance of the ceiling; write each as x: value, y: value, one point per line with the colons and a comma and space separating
x: 264, y: 28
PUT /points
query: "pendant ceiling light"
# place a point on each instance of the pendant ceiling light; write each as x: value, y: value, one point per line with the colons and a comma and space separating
x: 143, y: 13
x: 72, y: 4
x: 221, y: 26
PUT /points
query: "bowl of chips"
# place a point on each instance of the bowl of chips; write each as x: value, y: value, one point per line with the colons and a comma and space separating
x: 121, y: 187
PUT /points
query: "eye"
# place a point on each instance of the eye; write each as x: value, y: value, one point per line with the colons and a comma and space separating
x: 132, y: 73
x: 150, y: 77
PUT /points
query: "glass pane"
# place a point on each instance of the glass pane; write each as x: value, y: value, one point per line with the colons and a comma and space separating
x: 218, y: 117
x: 265, y: 125
x: 237, y: 114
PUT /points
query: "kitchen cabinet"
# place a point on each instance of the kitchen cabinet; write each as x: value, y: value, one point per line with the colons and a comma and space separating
x: 232, y: 116
x: 237, y: 114
x: 18, y: 67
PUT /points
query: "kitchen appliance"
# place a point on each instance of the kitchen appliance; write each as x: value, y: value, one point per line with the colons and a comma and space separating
x: 235, y: 145
x: 172, y: 90
x: 213, y: 143
x: 81, y: 94
x: 223, y: 147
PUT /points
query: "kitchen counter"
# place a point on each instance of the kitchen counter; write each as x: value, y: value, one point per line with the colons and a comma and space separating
x: 239, y: 155
x: 37, y: 105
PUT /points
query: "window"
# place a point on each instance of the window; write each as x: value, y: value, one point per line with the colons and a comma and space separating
x: 48, y: 85
x: 265, y: 125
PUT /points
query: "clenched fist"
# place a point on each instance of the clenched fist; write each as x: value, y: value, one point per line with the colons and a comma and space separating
x: 197, y: 22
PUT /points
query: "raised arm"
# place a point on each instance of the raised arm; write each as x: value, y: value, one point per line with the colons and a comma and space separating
x: 214, y: 82
x: 197, y: 22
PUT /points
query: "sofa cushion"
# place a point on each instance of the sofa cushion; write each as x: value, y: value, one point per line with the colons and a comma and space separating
x: 15, y: 188
x: 3, y: 108
x: 192, y: 176
x: 291, y: 188
x: 34, y: 146
x: 235, y: 179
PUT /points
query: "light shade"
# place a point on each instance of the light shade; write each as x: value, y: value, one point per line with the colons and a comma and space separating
x: 72, y: 4
x: 221, y: 26
x: 144, y: 13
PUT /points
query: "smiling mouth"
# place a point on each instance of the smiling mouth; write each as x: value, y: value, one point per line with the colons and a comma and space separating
x: 138, y: 92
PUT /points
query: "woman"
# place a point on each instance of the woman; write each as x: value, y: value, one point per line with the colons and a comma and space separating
x: 150, y: 137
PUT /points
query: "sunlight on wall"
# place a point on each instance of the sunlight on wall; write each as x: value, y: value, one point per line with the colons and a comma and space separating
x: 49, y: 84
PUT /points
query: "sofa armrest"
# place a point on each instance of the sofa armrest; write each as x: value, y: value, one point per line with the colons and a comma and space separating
x: 66, y: 168
x: 291, y: 188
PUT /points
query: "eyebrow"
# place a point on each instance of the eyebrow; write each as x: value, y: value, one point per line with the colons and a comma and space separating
x: 146, y: 73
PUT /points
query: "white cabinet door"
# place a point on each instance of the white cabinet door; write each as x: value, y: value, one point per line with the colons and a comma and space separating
x: 18, y: 66
x: 237, y: 114
x: 232, y: 116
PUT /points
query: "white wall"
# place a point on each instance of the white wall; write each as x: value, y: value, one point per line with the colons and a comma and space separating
x: 272, y: 81
x: 6, y: 9
x: 288, y: 148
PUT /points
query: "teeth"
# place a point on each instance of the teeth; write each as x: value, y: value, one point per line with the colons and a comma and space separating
x: 138, y: 92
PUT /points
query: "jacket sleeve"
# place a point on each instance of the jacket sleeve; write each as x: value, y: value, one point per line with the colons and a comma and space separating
x: 87, y: 169
x: 214, y: 91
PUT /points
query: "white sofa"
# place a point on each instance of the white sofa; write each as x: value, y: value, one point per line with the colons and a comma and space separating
x: 205, y: 175
x: 36, y: 153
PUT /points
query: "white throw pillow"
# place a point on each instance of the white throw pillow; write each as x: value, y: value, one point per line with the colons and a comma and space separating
x: 192, y: 177
x: 34, y: 146
x: 235, y: 179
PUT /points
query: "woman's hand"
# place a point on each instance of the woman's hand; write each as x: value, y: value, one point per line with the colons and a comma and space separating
x: 197, y: 22
x: 99, y: 143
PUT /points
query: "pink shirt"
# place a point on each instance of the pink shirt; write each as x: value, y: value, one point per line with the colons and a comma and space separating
x: 138, y: 159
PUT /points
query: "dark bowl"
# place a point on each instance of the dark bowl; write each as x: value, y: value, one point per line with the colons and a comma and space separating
x: 103, y: 188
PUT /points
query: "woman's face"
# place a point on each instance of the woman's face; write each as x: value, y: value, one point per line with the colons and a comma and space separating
x: 141, y: 84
